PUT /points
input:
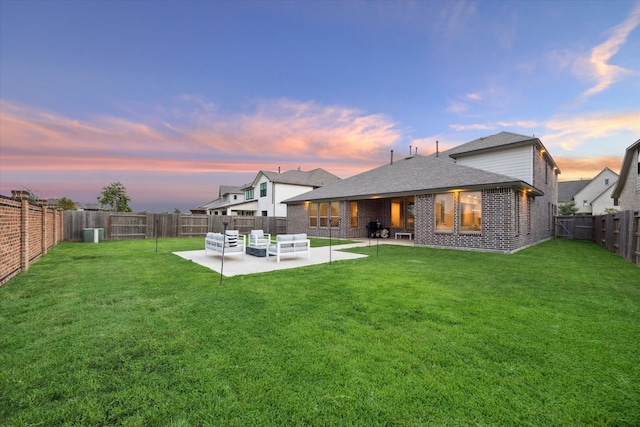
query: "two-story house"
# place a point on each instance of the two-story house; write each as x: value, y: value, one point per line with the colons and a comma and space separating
x: 230, y: 201
x: 264, y: 195
x: 627, y: 190
x: 269, y: 189
x: 592, y: 197
x: 496, y: 193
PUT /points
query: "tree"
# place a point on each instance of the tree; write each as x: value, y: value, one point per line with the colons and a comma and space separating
x: 33, y: 195
x: 568, y: 208
x: 66, y: 204
x: 115, y: 196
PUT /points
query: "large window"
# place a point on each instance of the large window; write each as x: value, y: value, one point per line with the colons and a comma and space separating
x: 248, y: 195
x: 324, y: 213
x: 334, y: 214
x: 470, y: 212
x: 397, y: 213
x: 323, y: 208
x: 313, y: 215
x: 411, y: 216
x: 353, y: 209
x: 516, y: 213
x: 263, y: 189
x: 444, y: 212
x: 402, y: 212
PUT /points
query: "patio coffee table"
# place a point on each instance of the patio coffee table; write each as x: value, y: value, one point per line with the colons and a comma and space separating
x: 257, y: 251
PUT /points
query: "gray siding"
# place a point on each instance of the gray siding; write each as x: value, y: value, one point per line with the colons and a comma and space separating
x: 515, y: 162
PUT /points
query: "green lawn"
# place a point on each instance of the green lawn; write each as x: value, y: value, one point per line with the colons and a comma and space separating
x: 117, y: 334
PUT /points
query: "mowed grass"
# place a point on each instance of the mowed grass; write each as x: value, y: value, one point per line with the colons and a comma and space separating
x: 117, y: 334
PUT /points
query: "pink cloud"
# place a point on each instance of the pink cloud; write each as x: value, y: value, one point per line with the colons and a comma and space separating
x: 575, y: 168
x: 198, y: 142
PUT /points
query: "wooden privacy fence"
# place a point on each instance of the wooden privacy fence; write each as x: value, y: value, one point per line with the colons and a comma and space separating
x: 618, y: 233
x: 120, y: 226
x: 574, y: 227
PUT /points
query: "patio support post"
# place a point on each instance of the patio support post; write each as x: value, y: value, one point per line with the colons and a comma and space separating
x: 377, y: 235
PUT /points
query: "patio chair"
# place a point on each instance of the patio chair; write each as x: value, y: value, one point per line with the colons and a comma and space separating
x: 258, y: 239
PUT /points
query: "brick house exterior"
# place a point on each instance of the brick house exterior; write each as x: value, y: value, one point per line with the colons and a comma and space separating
x: 627, y: 189
x: 490, y: 211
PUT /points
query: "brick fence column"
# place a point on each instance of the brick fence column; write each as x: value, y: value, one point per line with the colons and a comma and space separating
x: 24, y: 235
x: 44, y: 229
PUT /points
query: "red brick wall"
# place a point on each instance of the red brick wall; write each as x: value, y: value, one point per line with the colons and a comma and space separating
x: 26, y: 233
x: 10, y: 240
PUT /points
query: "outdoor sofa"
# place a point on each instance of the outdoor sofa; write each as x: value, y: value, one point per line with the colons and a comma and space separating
x: 231, y: 243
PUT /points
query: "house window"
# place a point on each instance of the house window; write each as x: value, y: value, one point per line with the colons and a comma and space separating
x: 323, y: 213
x: 235, y: 197
x: 616, y: 202
x: 638, y: 175
x: 263, y: 189
x: 546, y: 173
x: 397, y: 213
x: 353, y: 209
x: 248, y: 194
x: 334, y: 217
x: 470, y: 211
x: 411, y: 216
x: 516, y: 213
x: 606, y: 181
x: 444, y: 212
x: 313, y: 215
x: 264, y: 213
x: 584, y: 203
x: 528, y: 201
x: 402, y: 212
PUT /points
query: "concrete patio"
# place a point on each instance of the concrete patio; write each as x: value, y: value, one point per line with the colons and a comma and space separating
x: 235, y: 265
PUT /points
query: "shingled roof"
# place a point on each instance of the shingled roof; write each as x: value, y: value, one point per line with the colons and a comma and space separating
x: 627, y: 162
x: 413, y: 175
x: 568, y: 189
x: 313, y: 178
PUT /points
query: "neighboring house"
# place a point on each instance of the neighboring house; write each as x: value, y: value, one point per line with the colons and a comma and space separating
x: 94, y: 207
x: 264, y: 195
x: 497, y: 193
x: 592, y: 197
x: 627, y: 190
x: 230, y: 201
x: 269, y: 189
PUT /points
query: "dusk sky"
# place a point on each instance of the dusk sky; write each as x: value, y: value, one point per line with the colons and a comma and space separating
x: 174, y: 98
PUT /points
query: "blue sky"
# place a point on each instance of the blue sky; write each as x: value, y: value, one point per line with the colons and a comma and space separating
x: 174, y: 98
